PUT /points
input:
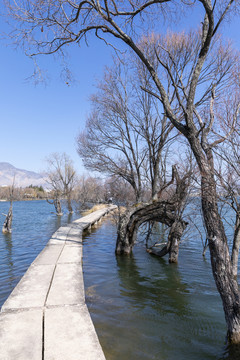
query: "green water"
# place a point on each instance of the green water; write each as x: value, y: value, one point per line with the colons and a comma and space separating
x: 144, y: 308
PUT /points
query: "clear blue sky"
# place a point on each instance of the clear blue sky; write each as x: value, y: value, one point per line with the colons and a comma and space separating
x: 39, y: 120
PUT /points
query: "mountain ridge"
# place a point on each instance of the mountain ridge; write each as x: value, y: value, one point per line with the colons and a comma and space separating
x: 23, y: 178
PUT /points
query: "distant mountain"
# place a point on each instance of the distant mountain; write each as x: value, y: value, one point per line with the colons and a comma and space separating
x: 23, y: 178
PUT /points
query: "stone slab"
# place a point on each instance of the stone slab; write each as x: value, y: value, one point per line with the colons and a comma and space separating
x: 61, y: 233
x: 70, y: 335
x: 32, y: 289
x: 73, y: 240
x: 85, y: 225
x: 74, y: 236
x: 67, y: 287
x: 21, y: 335
x: 75, y: 230
x: 72, y: 253
x: 49, y: 255
x: 93, y: 217
x: 55, y: 241
x: 60, y: 236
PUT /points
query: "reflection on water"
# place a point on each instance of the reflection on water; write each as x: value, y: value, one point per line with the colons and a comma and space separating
x: 231, y: 352
x: 8, y: 247
x: 33, y: 224
x: 144, y: 308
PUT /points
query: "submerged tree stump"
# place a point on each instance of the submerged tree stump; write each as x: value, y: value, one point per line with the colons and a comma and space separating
x: 172, y: 246
x: 57, y: 204
x: 7, y: 226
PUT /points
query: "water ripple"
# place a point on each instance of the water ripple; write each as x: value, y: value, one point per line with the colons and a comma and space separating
x: 33, y: 224
x: 144, y: 308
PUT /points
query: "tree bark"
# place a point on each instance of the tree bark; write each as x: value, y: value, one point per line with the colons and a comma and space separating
x: 220, y: 258
x: 172, y: 246
x: 175, y: 235
x: 222, y: 268
x: 69, y: 204
x: 7, y: 226
x: 236, y: 245
x: 57, y: 204
x: 161, y: 211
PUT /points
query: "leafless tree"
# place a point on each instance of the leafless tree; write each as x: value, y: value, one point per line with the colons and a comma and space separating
x: 109, y: 143
x: 61, y: 178
x: 125, y: 134
x: 89, y: 189
x: 120, y: 191
x: 48, y: 26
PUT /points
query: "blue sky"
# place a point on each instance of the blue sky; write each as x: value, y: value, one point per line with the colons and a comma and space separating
x: 39, y: 120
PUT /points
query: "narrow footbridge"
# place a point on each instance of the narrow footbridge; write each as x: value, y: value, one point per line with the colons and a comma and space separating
x: 45, y: 317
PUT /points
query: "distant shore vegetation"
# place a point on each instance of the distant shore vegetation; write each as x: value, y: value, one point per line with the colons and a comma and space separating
x: 23, y: 193
x: 87, y: 189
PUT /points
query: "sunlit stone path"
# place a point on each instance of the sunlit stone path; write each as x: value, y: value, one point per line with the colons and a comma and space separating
x: 45, y: 317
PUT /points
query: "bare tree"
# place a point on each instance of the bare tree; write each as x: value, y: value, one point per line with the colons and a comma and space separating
x: 89, y: 189
x: 109, y: 144
x: 125, y: 134
x: 62, y: 179
x: 119, y: 191
x: 198, y: 128
x: 48, y: 26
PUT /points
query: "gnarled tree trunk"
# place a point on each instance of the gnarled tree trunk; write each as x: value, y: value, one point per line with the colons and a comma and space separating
x: 69, y: 204
x: 7, y: 226
x: 218, y: 245
x: 57, y: 204
x: 220, y: 258
x: 236, y: 245
x: 160, y: 211
x: 172, y: 246
x: 166, y: 212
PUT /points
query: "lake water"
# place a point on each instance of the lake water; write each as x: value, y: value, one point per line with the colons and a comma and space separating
x: 33, y: 224
x: 142, y: 307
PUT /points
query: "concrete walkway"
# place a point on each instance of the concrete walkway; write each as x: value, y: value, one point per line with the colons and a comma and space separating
x: 45, y: 317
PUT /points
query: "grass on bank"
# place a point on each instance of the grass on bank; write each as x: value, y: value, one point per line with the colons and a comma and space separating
x: 94, y: 208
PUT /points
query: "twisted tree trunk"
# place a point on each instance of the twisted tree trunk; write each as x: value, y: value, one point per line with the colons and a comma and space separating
x: 57, y: 204
x: 69, y: 203
x: 7, y: 226
x: 161, y: 211
x: 222, y: 268
x: 172, y: 246
x: 220, y: 259
x: 236, y: 245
